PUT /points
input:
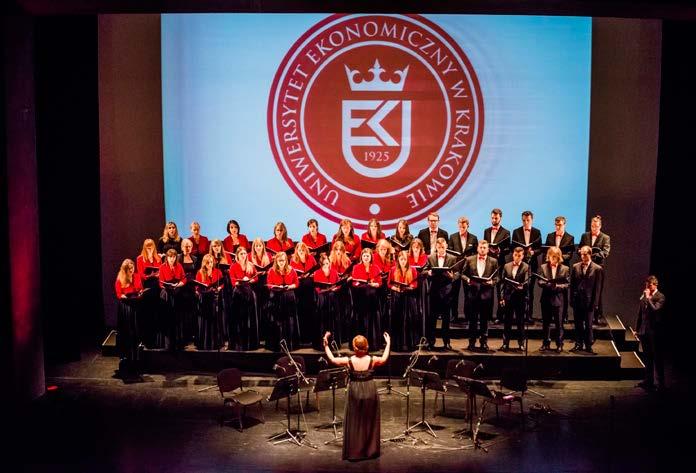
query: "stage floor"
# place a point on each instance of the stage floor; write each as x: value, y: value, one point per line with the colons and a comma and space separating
x: 169, y: 422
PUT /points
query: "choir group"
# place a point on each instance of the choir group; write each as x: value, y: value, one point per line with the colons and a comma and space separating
x: 233, y: 294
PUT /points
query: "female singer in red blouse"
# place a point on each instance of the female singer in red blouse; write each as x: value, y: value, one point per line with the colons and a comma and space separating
x: 128, y: 288
x: 313, y: 238
x: 261, y: 260
x: 170, y: 239
x: 417, y: 259
x: 148, y: 264
x: 201, y: 244
x: 407, y: 325
x: 244, y: 333
x: 328, y: 307
x: 234, y: 239
x: 172, y: 278
x: 280, y: 241
x: 282, y: 280
x: 374, y: 231
x: 218, y: 253
x: 347, y: 236
x: 366, y: 281
x: 305, y: 264
x: 384, y: 260
x: 342, y: 264
x: 339, y: 260
x: 210, y: 324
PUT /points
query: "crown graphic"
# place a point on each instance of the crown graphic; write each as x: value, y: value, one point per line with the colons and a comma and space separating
x: 376, y: 84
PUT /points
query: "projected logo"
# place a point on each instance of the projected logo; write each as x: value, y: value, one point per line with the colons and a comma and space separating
x: 375, y: 116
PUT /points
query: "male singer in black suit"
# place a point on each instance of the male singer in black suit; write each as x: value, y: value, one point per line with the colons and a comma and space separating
x: 651, y: 327
x: 440, y: 293
x: 499, y: 238
x: 553, y: 293
x: 466, y: 244
x: 528, y: 235
x: 565, y: 241
x: 513, y: 297
x: 601, y: 246
x: 430, y: 235
x: 585, y: 286
x: 480, y: 293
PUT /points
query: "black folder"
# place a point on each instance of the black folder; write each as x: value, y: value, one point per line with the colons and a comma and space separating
x: 368, y: 244
x: 400, y: 246
x: 325, y: 248
x: 534, y: 245
x: 151, y: 270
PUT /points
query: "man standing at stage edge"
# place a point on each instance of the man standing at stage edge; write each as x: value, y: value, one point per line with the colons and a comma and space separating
x: 651, y: 327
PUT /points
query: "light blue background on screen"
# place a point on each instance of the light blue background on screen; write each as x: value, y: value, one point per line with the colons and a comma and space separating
x: 217, y: 71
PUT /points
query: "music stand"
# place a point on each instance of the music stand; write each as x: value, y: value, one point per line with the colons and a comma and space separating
x: 473, y: 388
x: 388, y: 388
x: 426, y: 380
x: 285, y: 388
x: 332, y: 378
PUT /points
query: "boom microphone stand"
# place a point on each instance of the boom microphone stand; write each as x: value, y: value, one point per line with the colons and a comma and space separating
x: 407, y: 374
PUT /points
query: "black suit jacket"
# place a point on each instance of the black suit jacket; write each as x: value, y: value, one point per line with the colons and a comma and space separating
x: 508, y: 290
x: 502, y: 238
x: 566, y: 240
x: 440, y: 280
x: 603, y: 242
x: 424, y: 235
x: 553, y: 294
x: 650, y: 314
x: 474, y: 288
x: 534, y: 235
x: 585, y: 288
x: 455, y: 243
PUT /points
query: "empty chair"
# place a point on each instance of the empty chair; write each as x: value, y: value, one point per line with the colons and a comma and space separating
x: 229, y: 383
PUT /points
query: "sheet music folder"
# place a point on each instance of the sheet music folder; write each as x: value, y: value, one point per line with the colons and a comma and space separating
x: 327, y: 377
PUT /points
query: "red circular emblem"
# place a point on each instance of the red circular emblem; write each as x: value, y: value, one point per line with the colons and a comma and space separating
x: 375, y: 116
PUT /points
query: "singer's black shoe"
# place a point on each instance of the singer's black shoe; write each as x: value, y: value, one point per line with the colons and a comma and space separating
x: 520, y: 346
x: 484, y: 346
x: 471, y: 346
x: 559, y: 347
x: 590, y: 351
x: 545, y: 347
x: 577, y: 347
x: 505, y: 347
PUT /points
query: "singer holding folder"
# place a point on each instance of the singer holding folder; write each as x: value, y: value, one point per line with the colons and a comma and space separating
x: 282, y: 311
x: 128, y: 285
x: 406, y: 324
x: 304, y: 264
x: 440, y: 292
x: 244, y: 323
x: 361, y: 425
x: 210, y: 310
x: 480, y: 276
x: 366, y: 281
x: 328, y: 307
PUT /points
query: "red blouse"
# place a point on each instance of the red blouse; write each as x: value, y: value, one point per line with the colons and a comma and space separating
x: 202, y: 247
x: 227, y: 259
x: 237, y: 273
x: 384, y: 266
x: 422, y: 259
x: 359, y: 272
x: 231, y: 247
x: 311, y: 242
x: 275, y: 279
x: 211, y: 279
x: 135, y: 286
x: 167, y: 274
x: 352, y: 249
x: 141, y: 264
x: 276, y: 246
x: 366, y: 236
x: 319, y: 276
x: 414, y: 277
x: 340, y: 269
x: 309, y: 263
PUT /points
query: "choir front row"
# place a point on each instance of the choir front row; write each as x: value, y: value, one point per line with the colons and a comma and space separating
x: 236, y: 303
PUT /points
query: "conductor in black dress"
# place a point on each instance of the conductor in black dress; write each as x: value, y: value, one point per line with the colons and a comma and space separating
x: 651, y: 331
x: 585, y: 286
x: 361, y: 425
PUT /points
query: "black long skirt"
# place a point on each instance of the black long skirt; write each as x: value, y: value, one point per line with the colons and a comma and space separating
x: 282, y: 312
x: 244, y: 333
x: 366, y: 315
x: 127, y: 340
x: 306, y: 312
x: 328, y: 315
x: 361, y: 425
x: 407, y: 326
x: 210, y: 324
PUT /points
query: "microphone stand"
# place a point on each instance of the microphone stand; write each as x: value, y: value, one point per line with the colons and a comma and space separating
x: 407, y: 433
x: 301, y: 436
